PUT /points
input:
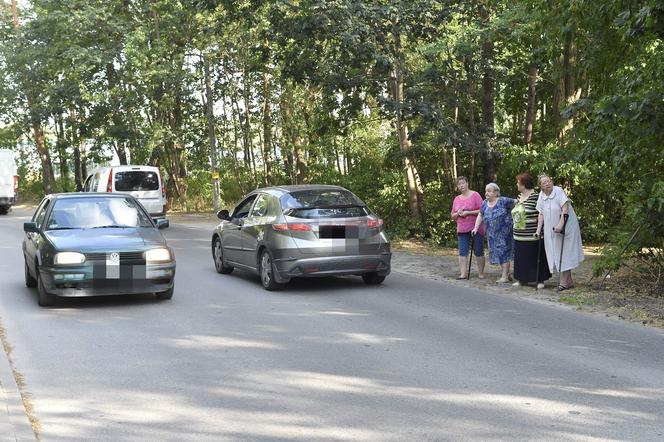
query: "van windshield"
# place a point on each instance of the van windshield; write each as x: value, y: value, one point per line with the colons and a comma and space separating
x: 136, y: 180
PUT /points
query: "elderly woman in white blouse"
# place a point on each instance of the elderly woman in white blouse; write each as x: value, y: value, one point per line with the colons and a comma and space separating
x: 554, y: 207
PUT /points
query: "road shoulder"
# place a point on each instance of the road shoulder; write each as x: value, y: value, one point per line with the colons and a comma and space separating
x: 14, y: 423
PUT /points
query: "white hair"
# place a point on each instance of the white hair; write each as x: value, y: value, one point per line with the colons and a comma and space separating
x: 541, y: 177
x: 494, y: 187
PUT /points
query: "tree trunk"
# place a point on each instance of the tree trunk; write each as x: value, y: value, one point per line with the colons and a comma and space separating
x: 246, y: 129
x: 209, y: 101
x: 35, y: 120
x: 566, y: 92
x: 396, y: 85
x: 267, y: 121
x: 44, y: 156
x: 470, y: 82
x: 78, y: 179
x: 532, y: 103
x: 233, y: 153
x: 61, y: 148
x: 301, y: 167
x: 572, y: 93
x: 488, y: 87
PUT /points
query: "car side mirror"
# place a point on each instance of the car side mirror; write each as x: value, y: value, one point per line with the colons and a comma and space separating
x: 163, y: 223
x: 223, y: 215
x: 30, y: 227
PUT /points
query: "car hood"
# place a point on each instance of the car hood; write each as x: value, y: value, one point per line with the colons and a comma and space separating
x: 91, y: 240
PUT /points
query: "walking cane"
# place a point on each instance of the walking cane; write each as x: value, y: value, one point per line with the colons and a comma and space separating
x: 470, y: 252
x: 562, y: 244
x: 539, y: 250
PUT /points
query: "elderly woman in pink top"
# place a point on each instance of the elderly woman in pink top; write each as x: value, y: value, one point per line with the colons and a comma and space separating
x: 465, y: 208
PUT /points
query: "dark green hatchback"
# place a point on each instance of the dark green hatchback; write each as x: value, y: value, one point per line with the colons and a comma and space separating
x: 91, y: 244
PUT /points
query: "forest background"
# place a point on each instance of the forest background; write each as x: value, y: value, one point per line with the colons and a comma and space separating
x: 391, y: 99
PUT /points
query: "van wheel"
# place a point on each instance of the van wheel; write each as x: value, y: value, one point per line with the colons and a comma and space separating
x: 266, y: 271
x: 218, y: 255
x: 45, y: 299
x: 29, y: 280
x: 372, y: 278
x: 4, y: 210
x: 168, y: 294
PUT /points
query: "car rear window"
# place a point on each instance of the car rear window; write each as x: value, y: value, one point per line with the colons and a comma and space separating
x: 324, y: 203
x: 333, y: 212
x: 136, y: 180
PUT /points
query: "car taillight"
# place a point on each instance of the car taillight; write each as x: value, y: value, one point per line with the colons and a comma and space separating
x: 163, y: 189
x: 109, y: 185
x: 15, y: 183
x: 375, y: 223
x: 294, y: 227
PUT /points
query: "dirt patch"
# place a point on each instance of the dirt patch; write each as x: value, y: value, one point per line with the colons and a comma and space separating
x: 620, y: 296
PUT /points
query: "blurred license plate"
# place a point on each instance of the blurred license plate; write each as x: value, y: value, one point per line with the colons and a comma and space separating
x: 114, y: 271
x: 329, y: 232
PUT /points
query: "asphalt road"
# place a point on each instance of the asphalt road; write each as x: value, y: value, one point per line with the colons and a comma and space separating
x: 331, y: 359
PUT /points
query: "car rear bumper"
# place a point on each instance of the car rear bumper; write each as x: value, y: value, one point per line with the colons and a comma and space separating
x: 333, y: 265
x: 86, y: 281
x: 7, y: 200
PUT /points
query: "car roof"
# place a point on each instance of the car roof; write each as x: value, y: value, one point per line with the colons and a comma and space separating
x: 77, y: 195
x: 298, y: 187
x: 127, y: 167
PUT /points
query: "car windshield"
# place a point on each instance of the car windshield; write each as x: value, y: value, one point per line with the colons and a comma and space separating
x: 324, y: 203
x: 96, y: 212
x: 136, y: 180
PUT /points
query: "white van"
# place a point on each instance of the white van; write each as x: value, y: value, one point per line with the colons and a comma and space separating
x: 142, y: 182
x: 8, y: 180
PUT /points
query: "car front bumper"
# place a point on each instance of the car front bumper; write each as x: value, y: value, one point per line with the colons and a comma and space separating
x: 81, y: 281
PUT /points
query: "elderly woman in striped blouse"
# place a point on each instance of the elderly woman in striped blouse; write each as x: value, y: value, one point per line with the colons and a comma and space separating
x: 528, y: 250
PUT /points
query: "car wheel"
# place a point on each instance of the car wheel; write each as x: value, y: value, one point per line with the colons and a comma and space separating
x: 29, y: 280
x: 218, y: 254
x: 373, y: 278
x: 45, y: 298
x: 266, y: 271
x: 168, y: 294
x: 4, y: 210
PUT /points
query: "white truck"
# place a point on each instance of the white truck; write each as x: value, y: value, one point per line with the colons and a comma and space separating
x: 8, y: 180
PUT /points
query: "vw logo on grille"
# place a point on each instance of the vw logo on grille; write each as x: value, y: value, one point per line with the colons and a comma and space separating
x: 114, y: 257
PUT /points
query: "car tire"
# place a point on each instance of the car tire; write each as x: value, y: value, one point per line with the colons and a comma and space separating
x: 4, y: 210
x: 373, y: 278
x: 266, y: 272
x: 30, y: 281
x: 165, y: 295
x: 45, y: 298
x: 218, y: 255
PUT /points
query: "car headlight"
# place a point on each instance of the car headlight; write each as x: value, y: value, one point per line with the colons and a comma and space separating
x: 68, y: 258
x: 157, y: 255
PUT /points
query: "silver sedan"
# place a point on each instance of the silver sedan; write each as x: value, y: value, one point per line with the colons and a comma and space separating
x: 301, y: 231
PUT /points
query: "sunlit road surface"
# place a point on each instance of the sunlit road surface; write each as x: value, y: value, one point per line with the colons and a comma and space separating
x: 323, y: 360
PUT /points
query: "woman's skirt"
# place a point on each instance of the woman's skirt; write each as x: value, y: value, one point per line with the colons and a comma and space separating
x: 525, y: 262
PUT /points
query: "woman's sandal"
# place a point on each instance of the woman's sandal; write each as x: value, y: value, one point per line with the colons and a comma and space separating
x: 562, y: 287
